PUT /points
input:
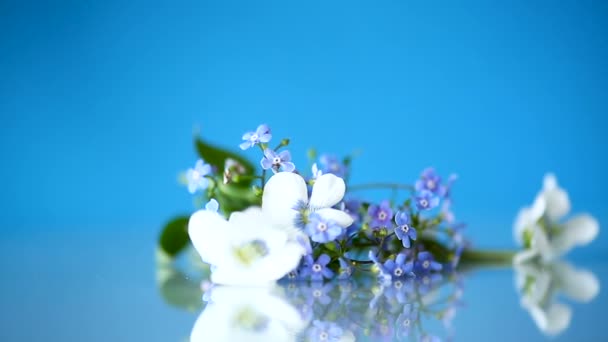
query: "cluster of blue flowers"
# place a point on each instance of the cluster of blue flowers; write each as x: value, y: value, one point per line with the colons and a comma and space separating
x: 411, y: 237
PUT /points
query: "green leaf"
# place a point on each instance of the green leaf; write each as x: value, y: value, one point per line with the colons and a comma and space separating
x: 234, y: 198
x: 174, y: 237
x: 216, y: 156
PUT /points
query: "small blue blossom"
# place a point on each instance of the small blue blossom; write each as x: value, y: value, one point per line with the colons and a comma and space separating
x: 346, y: 269
x: 324, y: 332
x: 398, y: 268
x: 404, y: 231
x: 381, y: 215
x: 318, y: 292
x: 429, y: 282
x: 406, y: 320
x: 276, y: 161
x: 322, y: 230
x: 430, y: 181
x: 212, y: 205
x: 425, y: 200
x: 196, y: 176
x: 331, y: 164
x: 425, y: 263
x: 393, y: 269
x: 316, y: 270
x: 261, y: 135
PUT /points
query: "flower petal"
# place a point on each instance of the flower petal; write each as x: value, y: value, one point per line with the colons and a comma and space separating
x: 582, y: 229
x: 282, y: 193
x: 558, y: 202
x: 341, y: 218
x: 327, y: 191
x: 553, y: 320
x: 209, y: 234
x: 580, y: 285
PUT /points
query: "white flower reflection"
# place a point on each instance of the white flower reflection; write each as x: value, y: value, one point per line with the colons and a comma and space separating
x: 246, y: 314
x: 539, y: 283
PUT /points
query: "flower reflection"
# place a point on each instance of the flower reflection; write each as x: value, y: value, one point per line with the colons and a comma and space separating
x: 539, y: 283
x: 363, y: 309
x: 246, y: 314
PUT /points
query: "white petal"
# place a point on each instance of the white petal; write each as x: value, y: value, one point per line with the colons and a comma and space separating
x: 580, y: 285
x: 341, y: 218
x: 558, y: 202
x: 327, y: 191
x: 222, y: 318
x: 281, y: 194
x: 263, y: 272
x: 582, y: 228
x: 553, y: 320
x: 528, y: 218
x: 209, y: 234
x: 280, y: 262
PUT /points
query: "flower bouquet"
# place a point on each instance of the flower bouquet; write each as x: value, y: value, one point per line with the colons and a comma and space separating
x: 296, y: 223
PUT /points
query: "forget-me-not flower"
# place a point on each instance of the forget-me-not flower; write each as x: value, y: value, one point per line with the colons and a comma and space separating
x: 381, y: 215
x: 317, y: 269
x: 196, y: 176
x: 426, y: 200
x: 426, y: 263
x: 331, y: 164
x: 404, y: 231
x: 261, y: 135
x: 277, y: 161
x: 430, y: 181
x: 322, y: 230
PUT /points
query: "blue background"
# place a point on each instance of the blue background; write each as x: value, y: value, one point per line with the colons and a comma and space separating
x: 99, y: 100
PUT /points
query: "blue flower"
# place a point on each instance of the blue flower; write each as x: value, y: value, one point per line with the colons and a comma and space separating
x: 398, y: 268
x: 212, y: 205
x: 393, y: 269
x: 406, y: 321
x: 196, y: 176
x: 322, y: 230
x: 430, y: 181
x: 425, y: 200
x: 318, y: 292
x: 381, y: 215
x: 261, y: 135
x: 331, y: 164
x: 276, y: 161
x: 404, y: 231
x: 316, y: 270
x: 429, y: 282
x: 425, y: 263
x: 324, y: 332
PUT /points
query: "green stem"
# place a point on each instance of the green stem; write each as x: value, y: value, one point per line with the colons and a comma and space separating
x: 480, y: 257
x: 393, y: 186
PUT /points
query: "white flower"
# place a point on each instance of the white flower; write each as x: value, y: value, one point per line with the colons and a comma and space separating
x: 538, y: 227
x: 539, y: 283
x: 246, y: 249
x: 246, y: 314
x: 285, y: 200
